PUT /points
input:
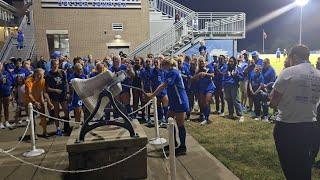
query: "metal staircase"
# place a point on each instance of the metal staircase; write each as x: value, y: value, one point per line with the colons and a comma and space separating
x: 10, y: 47
x: 192, y: 27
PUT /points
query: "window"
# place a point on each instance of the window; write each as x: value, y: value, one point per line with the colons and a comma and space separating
x: 117, y: 26
x: 58, y: 43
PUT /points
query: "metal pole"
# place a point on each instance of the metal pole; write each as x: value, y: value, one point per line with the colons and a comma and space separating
x: 172, y: 149
x: 301, y: 14
x: 263, y: 41
x: 34, y: 151
x: 157, y: 140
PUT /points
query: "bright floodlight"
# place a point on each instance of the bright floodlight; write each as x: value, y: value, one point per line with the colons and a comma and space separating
x: 302, y: 2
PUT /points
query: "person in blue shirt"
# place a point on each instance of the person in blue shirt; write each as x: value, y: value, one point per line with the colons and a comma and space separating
x: 257, y: 60
x: 256, y: 83
x: 20, y: 40
x: 269, y: 76
x: 220, y: 69
x: 76, y: 101
x: 184, y: 69
x: 243, y: 64
x: 178, y: 100
x: 193, y: 92
x: 203, y: 50
x: 248, y: 71
x: 125, y: 95
x: 232, y: 78
x: 206, y: 88
x: 100, y: 68
x: 26, y: 64
x: 19, y: 70
x: 157, y: 78
x: 278, y: 54
x: 6, y: 83
x: 146, y: 84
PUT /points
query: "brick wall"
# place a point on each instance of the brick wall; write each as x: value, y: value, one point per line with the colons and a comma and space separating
x: 86, y: 27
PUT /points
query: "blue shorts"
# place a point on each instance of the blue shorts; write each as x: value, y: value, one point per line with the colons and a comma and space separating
x: 179, y: 108
x: 76, y: 103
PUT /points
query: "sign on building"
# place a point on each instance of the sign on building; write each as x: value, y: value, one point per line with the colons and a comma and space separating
x: 93, y: 4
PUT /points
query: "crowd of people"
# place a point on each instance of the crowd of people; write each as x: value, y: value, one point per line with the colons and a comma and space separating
x: 180, y: 83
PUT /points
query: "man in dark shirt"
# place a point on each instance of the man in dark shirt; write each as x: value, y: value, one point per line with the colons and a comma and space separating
x: 56, y: 84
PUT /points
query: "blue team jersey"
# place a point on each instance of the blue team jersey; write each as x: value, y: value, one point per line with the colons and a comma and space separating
x: 76, y: 100
x: 157, y: 78
x: 230, y: 79
x: 93, y: 74
x: 259, y: 62
x: 127, y: 81
x: 6, y: 83
x: 146, y: 78
x: 185, y: 73
x: 256, y: 79
x: 269, y: 75
x: 178, y: 99
x: 219, y: 75
x: 21, y: 72
x: 206, y: 84
x: 87, y: 69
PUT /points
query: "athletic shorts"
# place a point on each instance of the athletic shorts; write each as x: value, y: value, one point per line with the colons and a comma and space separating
x: 179, y: 108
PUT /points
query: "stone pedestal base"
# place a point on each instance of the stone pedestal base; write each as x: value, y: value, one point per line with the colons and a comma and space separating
x: 104, y: 146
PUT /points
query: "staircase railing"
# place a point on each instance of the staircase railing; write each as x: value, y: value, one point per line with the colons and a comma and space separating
x: 170, y: 8
x: 9, y: 41
x: 223, y: 24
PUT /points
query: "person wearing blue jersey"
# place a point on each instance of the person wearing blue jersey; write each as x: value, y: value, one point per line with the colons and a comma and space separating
x: 203, y: 50
x: 186, y: 62
x: 157, y: 78
x: 6, y: 83
x: 184, y: 69
x: 269, y: 76
x: 278, y: 54
x: 100, y: 68
x: 146, y: 84
x: 243, y: 85
x: 192, y: 94
x: 125, y: 95
x: 136, y: 82
x: 231, y: 84
x: 19, y: 70
x: 26, y: 65
x: 256, y: 58
x: 178, y: 101
x: 220, y: 69
x: 248, y: 71
x: 206, y: 88
x: 256, y: 84
x: 76, y: 101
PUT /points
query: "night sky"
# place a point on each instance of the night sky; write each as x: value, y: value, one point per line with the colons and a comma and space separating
x: 282, y: 31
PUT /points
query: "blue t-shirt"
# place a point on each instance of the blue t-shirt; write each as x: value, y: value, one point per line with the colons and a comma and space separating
x: 219, y: 75
x: 6, y: 83
x: 259, y: 62
x: 76, y: 100
x: 202, y: 49
x: 256, y: 79
x: 206, y: 84
x: 176, y: 91
x: 186, y: 75
x: 157, y: 78
x: 230, y: 79
x: 269, y: 75
x: 146, y: 78
x: 21, y: 72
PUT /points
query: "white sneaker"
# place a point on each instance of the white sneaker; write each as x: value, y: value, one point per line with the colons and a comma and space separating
x: 265, y: 119
x: 241, y: 119
x: 257, y: 119
x: 221, y: 114
x: 8, y: 125
x: 204, y: 122
x: 2, y: 126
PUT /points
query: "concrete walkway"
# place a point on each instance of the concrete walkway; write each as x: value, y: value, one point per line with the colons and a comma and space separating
x: 198, y: 164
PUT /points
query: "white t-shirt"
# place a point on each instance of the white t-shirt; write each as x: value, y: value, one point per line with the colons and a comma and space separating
x: 300, y: 89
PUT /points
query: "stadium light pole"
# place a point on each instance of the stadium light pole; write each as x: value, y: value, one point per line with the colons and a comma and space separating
x: 301, y: 3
